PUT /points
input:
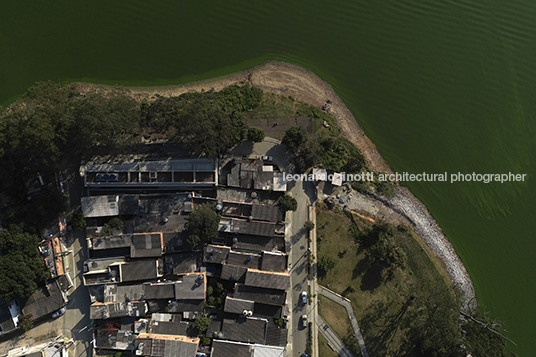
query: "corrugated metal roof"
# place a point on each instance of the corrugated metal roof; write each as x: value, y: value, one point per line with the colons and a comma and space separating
x: 266, y: 213
x: 267, y: 280
x: 100, y: 206
x: 268, y: 351
x: 237, y: 306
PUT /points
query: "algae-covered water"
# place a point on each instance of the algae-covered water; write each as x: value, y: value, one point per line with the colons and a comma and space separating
x: 437, y: 85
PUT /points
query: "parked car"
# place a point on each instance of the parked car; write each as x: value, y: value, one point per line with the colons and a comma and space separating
x: 58, y: 313
x: 267, y: 158
x: 304, y: 321
x: 304, y: 297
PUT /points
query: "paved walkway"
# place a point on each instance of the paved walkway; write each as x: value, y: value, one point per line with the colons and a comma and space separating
x: 349, y: 309
x: 333, y: 340
x: 313, y: 281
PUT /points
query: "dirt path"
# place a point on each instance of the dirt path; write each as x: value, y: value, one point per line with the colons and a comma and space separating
x: 287, y: 79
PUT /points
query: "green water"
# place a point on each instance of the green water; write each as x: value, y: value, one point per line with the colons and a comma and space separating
x: 437, y: 85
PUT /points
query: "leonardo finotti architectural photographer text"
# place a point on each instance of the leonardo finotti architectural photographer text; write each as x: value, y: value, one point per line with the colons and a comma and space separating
x: 408, y: 177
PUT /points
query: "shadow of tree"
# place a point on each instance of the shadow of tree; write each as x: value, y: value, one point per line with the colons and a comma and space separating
x: 373, y: 277
x: 360, y: 267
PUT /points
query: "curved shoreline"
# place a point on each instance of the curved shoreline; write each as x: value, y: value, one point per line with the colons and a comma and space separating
x: 302, y: 84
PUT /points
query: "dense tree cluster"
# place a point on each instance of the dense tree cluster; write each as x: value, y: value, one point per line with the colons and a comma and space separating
x: 331, y: 152
x: 21, y: 265
x: 202, y: 225
x: 53, y: 127
x: 288, y: 203
x: 383, y: 252
x: 325, y: 264
x: 207, y: 123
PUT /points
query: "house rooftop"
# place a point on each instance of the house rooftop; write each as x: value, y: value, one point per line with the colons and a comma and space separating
x: 240, y: 226
x: 159, y: 345
x: 155, y: 291
x: 215, y: 254
x: 276, y: 336
x: 234, y: 273
x: 181, y: 263
x: 247, y: 260
x: 118, y: 293
x: 261, y: 295
x: 111, y: 242
x: 170, y: 328
x: 247, y: 329
x: 105, y: 311
x: 266, y: 213
x: 115, y: 339
x: 101, y: 265
x: 258, y: 243
x: 100, y: 206
x: 237, y: 306
x: 110, y: 275
x: 137, y: 270
x: 44, y: 301
x: 6, y: 321
x: 192, y: 287
x: 129, y: 205
x: 266, y: 310
x: 231, y: 348
x: 146, y: 245
x: 270, y: 280
x: 274, y: 261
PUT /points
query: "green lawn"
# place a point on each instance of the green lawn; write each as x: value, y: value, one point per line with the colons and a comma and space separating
x: 335, y: 315
x: 323, y: 348
x: 385, y: 309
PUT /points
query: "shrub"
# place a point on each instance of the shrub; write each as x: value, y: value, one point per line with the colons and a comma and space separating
x: 78, y: 221
x: 255, y: 134
x: 295, y: 137
x: 325, y: 264
x: 202, y: 324
x: 288, y: 203
x: 309, y: 226
x: 26, y: 322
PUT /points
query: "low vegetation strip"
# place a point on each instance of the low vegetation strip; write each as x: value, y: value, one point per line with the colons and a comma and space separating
x: 324, y: 349
x: 347, y: 304
x: 335, y: 315
x: 404, y: 304
x: 333, y: 339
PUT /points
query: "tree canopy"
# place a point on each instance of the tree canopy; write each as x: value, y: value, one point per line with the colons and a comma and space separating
x: 288, y: 203
x: 295, y: 137
x: 21, y: 265
x: 203, y: 225
x: 256, y: 135
x: 208, y: 123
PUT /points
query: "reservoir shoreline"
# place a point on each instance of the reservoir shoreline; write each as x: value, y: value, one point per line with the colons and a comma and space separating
x: 290, y: 80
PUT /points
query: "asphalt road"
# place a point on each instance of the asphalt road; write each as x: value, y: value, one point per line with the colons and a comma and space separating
x: 76, y: 318
x: 298, y: 273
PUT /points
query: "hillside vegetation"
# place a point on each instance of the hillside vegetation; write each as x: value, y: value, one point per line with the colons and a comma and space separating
x: 403, y: 300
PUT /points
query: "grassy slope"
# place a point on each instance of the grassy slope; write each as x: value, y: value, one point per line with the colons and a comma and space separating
x: 323, y: 348
x: 335, y: 315
x: 376, y: 303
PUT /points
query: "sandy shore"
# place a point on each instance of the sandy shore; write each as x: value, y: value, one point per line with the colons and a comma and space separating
x: 287, y: 79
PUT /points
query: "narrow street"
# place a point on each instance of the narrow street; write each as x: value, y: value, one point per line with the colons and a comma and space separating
x: 76, y: 317
x: 299, y: 270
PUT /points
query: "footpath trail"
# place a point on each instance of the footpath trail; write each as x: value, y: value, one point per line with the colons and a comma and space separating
x: 332, y: 338
x: 349, y: 309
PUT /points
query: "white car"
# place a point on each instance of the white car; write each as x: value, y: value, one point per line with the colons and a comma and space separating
x: 304, y: 297
x: 267, y: 158
x: 58, y: 313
